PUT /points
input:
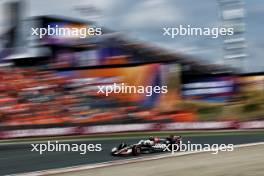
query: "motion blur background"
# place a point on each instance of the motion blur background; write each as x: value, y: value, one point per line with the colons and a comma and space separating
x: 51, y: 83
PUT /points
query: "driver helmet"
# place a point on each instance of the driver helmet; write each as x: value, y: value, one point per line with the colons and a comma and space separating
x: 122, y: 145
x: 151, y: 138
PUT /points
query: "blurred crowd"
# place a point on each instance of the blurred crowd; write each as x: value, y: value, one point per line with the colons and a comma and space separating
x: 30, y: 96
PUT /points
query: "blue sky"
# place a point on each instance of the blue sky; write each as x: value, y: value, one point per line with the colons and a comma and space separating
x: 144, y: 19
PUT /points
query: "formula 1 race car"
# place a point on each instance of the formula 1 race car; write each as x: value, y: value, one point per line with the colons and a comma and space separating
x: 151, y: 145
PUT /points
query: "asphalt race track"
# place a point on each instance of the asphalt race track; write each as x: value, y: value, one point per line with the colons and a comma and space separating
x: 17, y: 158
x: 243, y: 161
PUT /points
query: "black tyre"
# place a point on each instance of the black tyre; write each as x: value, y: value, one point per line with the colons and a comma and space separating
x: 136, y: 150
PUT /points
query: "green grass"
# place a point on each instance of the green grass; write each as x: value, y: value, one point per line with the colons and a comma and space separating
x: 130, y: 135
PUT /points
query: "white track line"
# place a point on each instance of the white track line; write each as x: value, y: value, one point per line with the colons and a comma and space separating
x: 121, y: 162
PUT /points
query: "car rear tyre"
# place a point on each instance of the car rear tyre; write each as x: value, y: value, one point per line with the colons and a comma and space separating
x: 136, y: 150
